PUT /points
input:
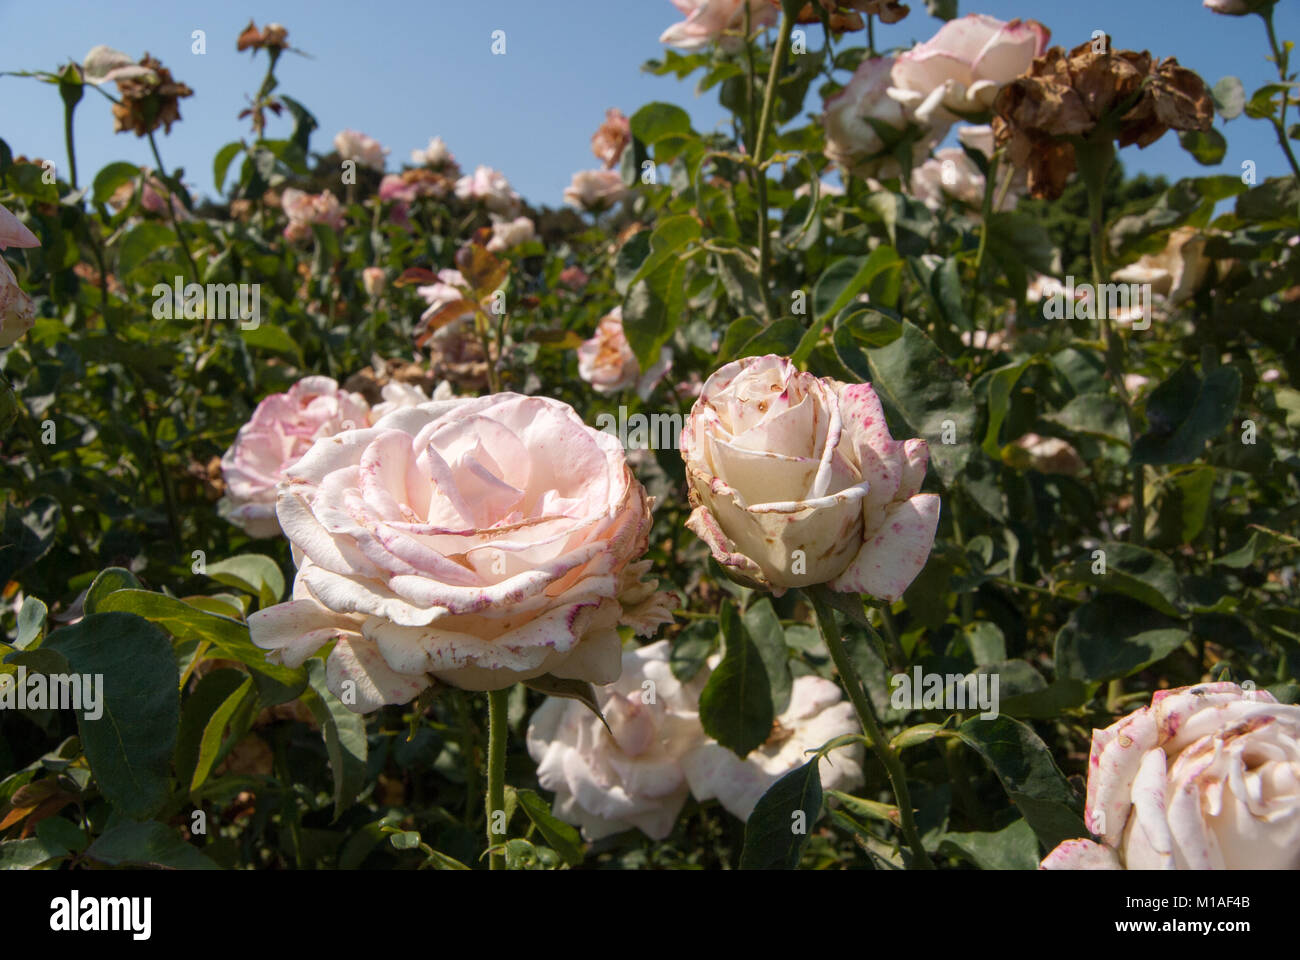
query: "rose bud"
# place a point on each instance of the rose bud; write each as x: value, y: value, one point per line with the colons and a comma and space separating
x: 796, y: 481
x: 1206, y: 778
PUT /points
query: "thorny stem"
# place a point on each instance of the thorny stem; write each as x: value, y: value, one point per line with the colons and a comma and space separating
x: 760, y: 151
x: 1280, y: 58
x: 880, y: 746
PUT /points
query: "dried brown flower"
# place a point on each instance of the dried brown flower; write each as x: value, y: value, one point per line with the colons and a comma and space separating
x: 1120, y: 94
x: 149, y: 103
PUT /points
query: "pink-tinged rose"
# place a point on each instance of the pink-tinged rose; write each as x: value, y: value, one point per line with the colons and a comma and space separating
x: 595, y: 190
x: 508, y: 234
x: 281, y: 430
x: 949, y: 174
x: 154, y: 197
x: 1205, y: 778
x: 817, y: 714
x: 476, y: 542
x: 17, y: 311
x: 1237, y: 8
x: 360, y: 149
x: 631, y: 778
x: 612, y: 138
x: 13, y: 232
x: 397, y: 395
x: 434, y: 155
x: 1046, y: 455
x: 607, y: 362
x: 574, y: 277
x: 304, y: 209
x: 962, y: 67
x: 393, y: 189
x: 716, y: 20
x: 490, y: 188
x: 374, y: 280
x: 853, y: 142
x: 796, y: 481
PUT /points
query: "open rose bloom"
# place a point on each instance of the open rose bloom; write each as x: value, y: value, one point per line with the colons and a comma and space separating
x: 17, y: 311
x: 476, y: 542
x: 607, y: 362
x: 1206, y: 778
x: 796, y: 481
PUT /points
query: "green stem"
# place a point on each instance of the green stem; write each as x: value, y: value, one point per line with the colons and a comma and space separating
x: 1095, y: 158
x: 760, y: 154
x: 68, y: 109
x: 880, y: 746
x: 1280, y: 58
x: 498, y: 705
x: 171, y: 213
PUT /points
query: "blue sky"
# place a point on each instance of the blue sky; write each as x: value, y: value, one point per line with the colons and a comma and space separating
x: 404, y: 70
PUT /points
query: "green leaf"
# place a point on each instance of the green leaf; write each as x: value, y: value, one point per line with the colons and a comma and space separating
x: 1014, y: 847
x: 1099, y: 415
x: 209, y: 710
x: 653, y: 309
x: 150, y: 844
x: 229, y: 636
x: 778, y: 828
x: 252, y: 573
x: 692, y: 649
x: 568, y: 689
x: 669, y: 236
x: 108, y: 580
x: 846, y: 278
x: 1048, y: 703
x: 110, y: 178
x: 1029, y: 775
x: 561, y: 836
x: 221, y: 163
x: 345, y: 737
x: 914, y: 378
x: 1001, y: 382
x: 655, y: 121
x: 1207, y: 146
x: 129, y: 746
x: 1112, y: 637
x: 31, y: 623
x: 1133, y: 571
x: 986, y: 642
x: 1184, y: 412
x: 1229, y: 97
x: 142, y: 240
x: 739, y: 332
x: 765, y: 630
x: 29, y: 853
x: 736, y: 704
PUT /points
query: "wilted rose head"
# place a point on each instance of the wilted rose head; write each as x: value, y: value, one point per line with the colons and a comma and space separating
x: 796, y: 481
x: 612, y: 138
x: 607, y: 362
x: 150, y: 99
x: 1123, y: 94
x: 606, y: 782
x: 1206, y: 778
x: 282, y: 429
x: 477, y: 542
x: 1175, y: 272
x: 960, y: 69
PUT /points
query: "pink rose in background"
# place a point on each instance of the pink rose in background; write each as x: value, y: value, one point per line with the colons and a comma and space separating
x: 508, y: 234
x: 796, y: 481
x: 574, y: 277
x: 817, y: 713
x: 707, y: 20
x: 304, y: 209
x: 282, y: 429
x: 153, y: 198
x: 434, y: 155
x: 17, y: 311
x: 852, y: 141
x: 607, y: 362
x: 632, y: 778
x: 595, y: 190
x: 476, y: 542
x: 492, y: 189
x: 612, y: 138
x: 1205, y: 778
x: 374, y: 280
x: 962, y: 67
x: 361, y: 149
